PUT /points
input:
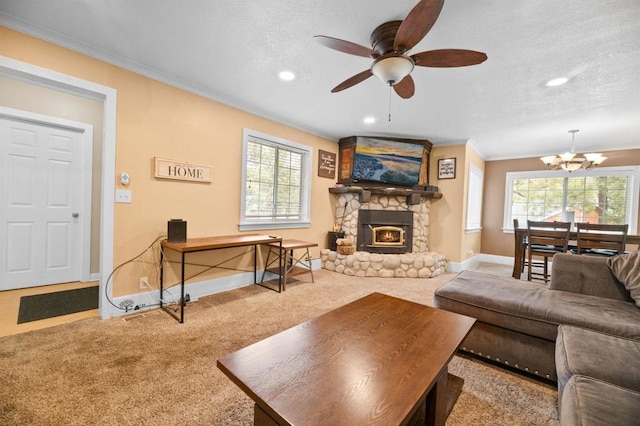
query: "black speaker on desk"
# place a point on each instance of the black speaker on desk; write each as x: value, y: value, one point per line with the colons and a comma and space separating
x: 177, y: 231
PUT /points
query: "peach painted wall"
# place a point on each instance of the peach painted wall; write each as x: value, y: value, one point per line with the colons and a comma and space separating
x: 155, y: 119
x: 446, y: 214
x: 494, y: 240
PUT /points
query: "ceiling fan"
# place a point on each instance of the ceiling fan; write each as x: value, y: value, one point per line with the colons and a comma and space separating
x: 391, y: 43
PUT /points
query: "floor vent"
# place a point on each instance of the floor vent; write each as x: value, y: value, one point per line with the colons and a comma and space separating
x: 133, y: 317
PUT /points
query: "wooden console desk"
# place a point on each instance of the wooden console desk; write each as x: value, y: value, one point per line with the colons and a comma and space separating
x: 193, y: 245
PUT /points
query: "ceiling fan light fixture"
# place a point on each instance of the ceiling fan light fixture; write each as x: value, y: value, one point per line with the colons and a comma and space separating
x: 392, y: 69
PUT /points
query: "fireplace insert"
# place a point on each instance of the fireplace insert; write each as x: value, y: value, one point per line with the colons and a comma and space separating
x: 385, y: 231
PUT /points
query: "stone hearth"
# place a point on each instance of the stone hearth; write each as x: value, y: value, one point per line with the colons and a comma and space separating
x: 365, y: 264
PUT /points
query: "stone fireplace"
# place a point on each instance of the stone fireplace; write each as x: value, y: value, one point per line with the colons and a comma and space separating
x: 391, y: 233
x: 354, y: 218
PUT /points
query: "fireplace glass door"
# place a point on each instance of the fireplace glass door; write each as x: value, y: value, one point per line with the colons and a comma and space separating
x: 384, y: 236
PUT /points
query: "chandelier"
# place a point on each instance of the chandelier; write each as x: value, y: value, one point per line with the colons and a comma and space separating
x: 570, y: 162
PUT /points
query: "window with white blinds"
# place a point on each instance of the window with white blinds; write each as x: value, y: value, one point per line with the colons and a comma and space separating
x: 607, y: 195
x: 276, y: 177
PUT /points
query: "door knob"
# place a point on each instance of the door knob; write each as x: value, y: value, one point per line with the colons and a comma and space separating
x: 75, y: 215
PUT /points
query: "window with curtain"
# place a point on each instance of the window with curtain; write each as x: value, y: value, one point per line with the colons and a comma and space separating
x: 605, y: 196
x: 276, y: 177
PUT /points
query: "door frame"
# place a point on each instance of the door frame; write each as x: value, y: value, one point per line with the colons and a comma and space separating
x: 108, y: 96
x: 86, y: 142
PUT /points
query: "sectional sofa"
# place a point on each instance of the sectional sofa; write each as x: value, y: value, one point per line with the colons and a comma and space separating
x: 582, y: 331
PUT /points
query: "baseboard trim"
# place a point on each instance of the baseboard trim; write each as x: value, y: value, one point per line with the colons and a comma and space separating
x: 151, y: 299
x: 469, y: 263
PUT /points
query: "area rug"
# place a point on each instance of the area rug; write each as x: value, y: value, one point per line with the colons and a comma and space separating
x: 152, y: 370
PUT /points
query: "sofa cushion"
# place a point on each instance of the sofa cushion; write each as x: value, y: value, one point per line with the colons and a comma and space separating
x: 626, y: 268
x: 612, y: 359
x: 532, y: 308
x: 586, y: 275
x: 587, y: 401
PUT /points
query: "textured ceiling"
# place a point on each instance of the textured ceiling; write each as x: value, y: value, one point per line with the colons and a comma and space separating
x: 232, y: 51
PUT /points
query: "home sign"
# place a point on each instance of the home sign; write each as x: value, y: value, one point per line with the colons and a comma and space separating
x: 171, y: 169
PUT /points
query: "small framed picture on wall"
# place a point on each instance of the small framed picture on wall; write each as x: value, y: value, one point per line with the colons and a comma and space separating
x: 326, y: 164
x: 447, y: 168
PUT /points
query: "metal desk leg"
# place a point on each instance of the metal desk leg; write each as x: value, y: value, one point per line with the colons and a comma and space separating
x: 284, y: 257
x: 182, y: 290
x: 255, y: 264
x: 161, y: 275
x: 267, y: 264
x: 282, y: 277
x: 310, y: 265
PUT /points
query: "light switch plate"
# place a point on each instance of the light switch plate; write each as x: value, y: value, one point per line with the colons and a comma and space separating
x: 123, y: 196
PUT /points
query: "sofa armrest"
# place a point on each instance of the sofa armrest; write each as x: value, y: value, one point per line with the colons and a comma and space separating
x: 586, y: 275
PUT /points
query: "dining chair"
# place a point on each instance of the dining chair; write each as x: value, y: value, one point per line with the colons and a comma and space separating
x: 524, y: 262
x: 545, y: 240
x: 597, y: 239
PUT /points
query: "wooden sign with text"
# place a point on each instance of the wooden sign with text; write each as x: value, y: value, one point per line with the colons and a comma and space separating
x: 326, y: 164
x: 170, y: 169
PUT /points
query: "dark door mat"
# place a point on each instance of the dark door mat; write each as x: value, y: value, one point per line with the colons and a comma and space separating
x: 49, y: 305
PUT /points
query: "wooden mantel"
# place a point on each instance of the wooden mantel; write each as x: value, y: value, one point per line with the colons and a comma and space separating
x: 364, y: 193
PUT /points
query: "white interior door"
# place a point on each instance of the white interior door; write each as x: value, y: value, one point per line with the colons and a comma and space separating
x: 44, y: 204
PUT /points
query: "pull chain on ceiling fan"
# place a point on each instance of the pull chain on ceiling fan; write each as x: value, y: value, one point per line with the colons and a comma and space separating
x: 391, y: 43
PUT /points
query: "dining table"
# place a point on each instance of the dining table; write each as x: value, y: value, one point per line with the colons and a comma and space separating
x: 521, y: 233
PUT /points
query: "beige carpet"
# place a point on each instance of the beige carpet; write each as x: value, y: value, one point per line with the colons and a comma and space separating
x: 149, y: 369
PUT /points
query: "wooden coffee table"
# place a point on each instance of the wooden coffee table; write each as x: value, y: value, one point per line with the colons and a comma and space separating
x: 378, y: 360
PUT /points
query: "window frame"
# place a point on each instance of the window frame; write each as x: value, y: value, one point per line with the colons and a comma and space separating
x: 474, y: 200
x: 633, y: 190
x: 305, y: 199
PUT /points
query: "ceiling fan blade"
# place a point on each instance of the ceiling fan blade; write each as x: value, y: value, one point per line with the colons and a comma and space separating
x: 345, y: 46
x: 352, y: 81
x: 417, y: 24
x: 406, y: 88
x: 446, y: 58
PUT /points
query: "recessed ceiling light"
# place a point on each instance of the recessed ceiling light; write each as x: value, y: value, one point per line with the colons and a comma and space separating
x: 286, y: 75
x: 557, y: 81
x: 369, y: 120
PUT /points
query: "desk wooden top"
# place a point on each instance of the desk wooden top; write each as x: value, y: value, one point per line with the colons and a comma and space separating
x: 293, y: 244
x: 370, y: 361
x: 227, y: 241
